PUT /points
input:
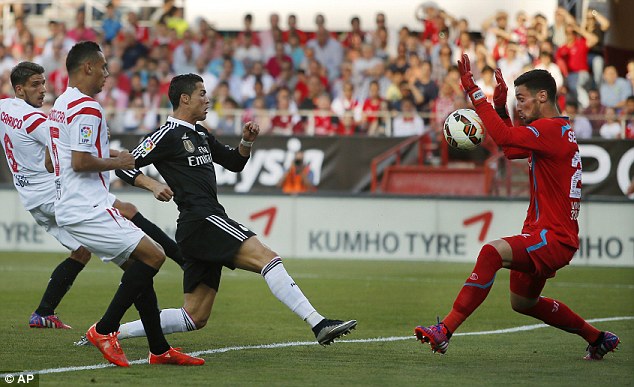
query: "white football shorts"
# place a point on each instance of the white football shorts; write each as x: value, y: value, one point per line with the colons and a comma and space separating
x: 44, y: 215
x: 107, y: 234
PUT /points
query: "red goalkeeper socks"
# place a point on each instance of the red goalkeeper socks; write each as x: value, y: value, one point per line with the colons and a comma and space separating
x: 476, y: 289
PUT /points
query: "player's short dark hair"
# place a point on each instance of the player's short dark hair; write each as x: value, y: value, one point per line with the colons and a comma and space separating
x: 21, y: 73
x: 182, y: 84
x: 80, y: 53
x: 536, y: 80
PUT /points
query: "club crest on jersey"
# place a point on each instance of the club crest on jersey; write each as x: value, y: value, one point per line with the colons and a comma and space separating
x: 85, y: 134
x: 189, y: 146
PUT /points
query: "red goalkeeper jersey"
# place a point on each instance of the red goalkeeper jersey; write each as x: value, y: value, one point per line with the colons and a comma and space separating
x: 555, y: 171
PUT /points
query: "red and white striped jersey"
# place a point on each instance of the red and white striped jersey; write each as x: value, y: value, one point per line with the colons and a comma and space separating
x: 24, y: 133
x: 77, y: 123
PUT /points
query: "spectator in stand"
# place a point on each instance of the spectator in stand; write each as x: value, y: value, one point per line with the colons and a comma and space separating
x: 287, y: 78
x: 580, y: 124
x: 630, y: 72
x: 597, y: 24
x: 217, y: 66
x: 258, y: 92
x: 614, y: 89
x: 176, y: 21
x: 291, y: 21
x: 315, y: 89
x: 466, y: 46
x: 545, y: 62
x: 355, y: 30
x: 627, y: 117
x: 212, y: 43
x: 345, y: 104
x: 595, y: 111
x: 325, y: 123
x: 227, y: 121
x: 247, y: 89
x: 286, y: 114
x: 328, y: 52
x: 407, y: 122
x: 423, y: 89
x: 209, y: 80
x: 448, y: 100
x: 133, y: 115
x: 393, y: 94
x: 111, y: 24
x: 486, y: 82
x: 247, y: 51
x: 270, y: 36
x: 81, y: 32
x: 257, y: 113
x: 483, y: 59
x: 428, y: 14
x: 56, y: 59
x: 494, y: 27
x: 233, y: 81
x: 141, y: 33
x: 573, y: 55
x: 370, y: 122
x: 18, y: 38
x: 186, y: 54
x: 295, y: 50
x: 442, y: 66
x: 611, y: 128
x: 298, y: 178
x: 532, y: 47
x: 56, y: 32
x: 248, y: 28
x: 132, y: 49
x: 274, y: 64
x: 365, y: 67
x: 557, y: 32
x: 153, y: 100
x: 519, y: 33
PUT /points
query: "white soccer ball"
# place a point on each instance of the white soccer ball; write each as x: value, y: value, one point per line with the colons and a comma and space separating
x: 463, y: 129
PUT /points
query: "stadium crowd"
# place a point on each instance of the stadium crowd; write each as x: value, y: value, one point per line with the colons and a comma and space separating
x: 367, y: 81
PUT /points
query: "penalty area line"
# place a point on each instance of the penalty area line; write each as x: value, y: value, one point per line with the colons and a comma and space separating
x: 522, y: 328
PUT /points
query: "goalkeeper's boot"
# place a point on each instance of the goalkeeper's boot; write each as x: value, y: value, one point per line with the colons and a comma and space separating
x: 608, y: 342
x: 50, y: 321
x: 173, y: 356
x: 108, y: 345
x: 328, y: 330
x: 436, y: 335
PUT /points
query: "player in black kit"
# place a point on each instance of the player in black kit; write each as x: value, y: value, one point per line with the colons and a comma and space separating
x: 184, y: 153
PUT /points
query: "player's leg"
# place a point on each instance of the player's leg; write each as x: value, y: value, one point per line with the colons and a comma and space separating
x: 258, y: 258
x: 129, y: 211
x: 201, y: 281
x: 64, y: 274
x: 526, y: 299
x: 493, y: 256
x: 58, y: 285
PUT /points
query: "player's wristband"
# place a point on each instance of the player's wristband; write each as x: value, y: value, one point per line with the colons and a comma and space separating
x: 477, y: 96
x: 247, y: 144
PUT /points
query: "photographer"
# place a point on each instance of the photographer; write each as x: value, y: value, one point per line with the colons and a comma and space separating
x: 298, y: 178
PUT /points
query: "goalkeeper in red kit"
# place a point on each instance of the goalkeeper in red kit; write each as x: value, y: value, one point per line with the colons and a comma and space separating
x: 549, y: 237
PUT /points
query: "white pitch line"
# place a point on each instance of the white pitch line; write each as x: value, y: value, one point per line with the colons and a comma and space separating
x: 307, y: 343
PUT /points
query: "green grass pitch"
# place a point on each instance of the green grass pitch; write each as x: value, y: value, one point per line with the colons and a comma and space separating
x: 387, y: 298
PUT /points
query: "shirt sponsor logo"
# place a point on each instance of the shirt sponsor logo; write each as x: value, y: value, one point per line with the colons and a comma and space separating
x: 85, y: 134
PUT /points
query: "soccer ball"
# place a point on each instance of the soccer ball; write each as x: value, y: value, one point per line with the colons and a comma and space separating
x: 463, y: 129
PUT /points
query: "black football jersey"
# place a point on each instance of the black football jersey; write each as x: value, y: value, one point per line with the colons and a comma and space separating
x: 184, y: 155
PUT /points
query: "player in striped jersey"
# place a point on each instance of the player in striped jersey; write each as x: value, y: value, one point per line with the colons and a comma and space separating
x: 24, y: 136
x: 81, y: 156
x: 184, y: 153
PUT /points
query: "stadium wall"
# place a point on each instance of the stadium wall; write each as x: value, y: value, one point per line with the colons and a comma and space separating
x: 424, y: 229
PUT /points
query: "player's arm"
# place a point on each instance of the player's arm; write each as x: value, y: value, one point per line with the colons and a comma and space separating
x: 136, y: 178
x: 48, y: 162
x: 234, y: 159
x: 522, y: 137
